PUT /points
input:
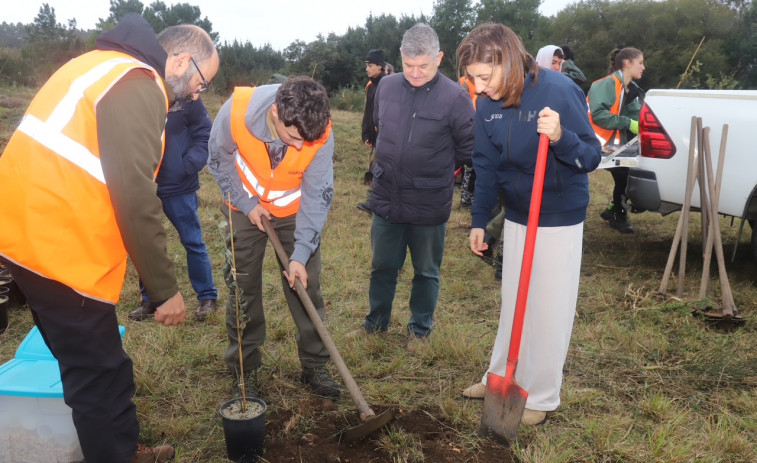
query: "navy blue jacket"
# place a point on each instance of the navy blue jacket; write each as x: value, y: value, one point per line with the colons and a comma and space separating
x: 187, y: 132
x: 423, y: 133
x: 505, y: 154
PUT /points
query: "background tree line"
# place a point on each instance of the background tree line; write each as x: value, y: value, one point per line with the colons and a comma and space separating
x: 668, y: 32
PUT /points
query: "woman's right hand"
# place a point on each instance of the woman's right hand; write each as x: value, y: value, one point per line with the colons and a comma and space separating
x: 476, y: 239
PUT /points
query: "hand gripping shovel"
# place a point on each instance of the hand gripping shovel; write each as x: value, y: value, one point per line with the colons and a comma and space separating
x: 505, y: 401
x: 370, y: 422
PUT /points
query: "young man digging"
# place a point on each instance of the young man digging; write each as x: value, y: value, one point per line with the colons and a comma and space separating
x: 271, y: 151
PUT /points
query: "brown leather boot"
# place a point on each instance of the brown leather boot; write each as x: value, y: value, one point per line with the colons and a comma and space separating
x: 206, y: 307
x: 157, y: 454
x: 145, y: 310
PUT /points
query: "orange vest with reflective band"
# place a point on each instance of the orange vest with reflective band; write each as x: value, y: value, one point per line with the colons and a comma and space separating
x: 57, y: 219
x: 606, y: 136
x: 470, y: 88
x: 279, y: 189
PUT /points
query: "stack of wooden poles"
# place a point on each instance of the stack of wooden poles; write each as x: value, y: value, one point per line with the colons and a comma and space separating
x: 700, y: 171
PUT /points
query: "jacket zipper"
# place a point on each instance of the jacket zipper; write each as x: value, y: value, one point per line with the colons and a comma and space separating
x: 412, y: 124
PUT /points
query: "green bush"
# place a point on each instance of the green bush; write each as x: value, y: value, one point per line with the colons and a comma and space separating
x: 347, y: 99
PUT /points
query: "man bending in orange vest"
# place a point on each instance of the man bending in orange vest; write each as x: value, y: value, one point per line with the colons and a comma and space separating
x: 271, y: 149
x: 80, y: 169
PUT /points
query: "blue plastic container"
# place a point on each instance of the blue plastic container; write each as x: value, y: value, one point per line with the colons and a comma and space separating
x: 35, y: 423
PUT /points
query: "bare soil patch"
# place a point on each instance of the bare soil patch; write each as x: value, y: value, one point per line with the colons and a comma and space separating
x: 322, y: 443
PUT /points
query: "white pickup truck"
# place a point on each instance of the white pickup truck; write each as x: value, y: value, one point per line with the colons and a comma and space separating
x: 657, y: 176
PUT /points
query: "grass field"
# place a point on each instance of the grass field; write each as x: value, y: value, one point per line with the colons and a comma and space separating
x: 645, y: 380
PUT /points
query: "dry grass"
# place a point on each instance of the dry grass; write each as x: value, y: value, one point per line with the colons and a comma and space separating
x: 645, y: 381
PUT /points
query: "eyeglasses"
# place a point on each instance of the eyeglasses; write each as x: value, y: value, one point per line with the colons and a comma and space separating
x: 205, y: 83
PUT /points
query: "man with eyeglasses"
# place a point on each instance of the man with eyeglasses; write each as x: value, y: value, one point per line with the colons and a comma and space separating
x: 80, y: 169
x: 271, y: 151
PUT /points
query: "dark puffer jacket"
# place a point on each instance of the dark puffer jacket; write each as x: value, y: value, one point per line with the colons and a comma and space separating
x: 423, y: 134
x: 187, y: 133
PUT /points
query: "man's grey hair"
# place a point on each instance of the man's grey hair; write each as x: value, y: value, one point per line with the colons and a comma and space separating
x: 187, y: 38
x: 420, y: 40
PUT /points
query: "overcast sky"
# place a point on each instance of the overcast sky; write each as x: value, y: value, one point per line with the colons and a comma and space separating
x: 278, y: 22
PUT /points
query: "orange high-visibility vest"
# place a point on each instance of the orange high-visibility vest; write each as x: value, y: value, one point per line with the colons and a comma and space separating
x: 57, y: 219
x: 470, y: 88
x: 279, y: 189
x: 606, y: 136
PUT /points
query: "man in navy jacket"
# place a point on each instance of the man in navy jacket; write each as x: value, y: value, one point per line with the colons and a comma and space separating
x: 425, y: 129
x: 187, y: 131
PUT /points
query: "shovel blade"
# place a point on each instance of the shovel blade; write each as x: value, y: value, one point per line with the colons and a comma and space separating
x: 368, y: 426
x: 504, y: 404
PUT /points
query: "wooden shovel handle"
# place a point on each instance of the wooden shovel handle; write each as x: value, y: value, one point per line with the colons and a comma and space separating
x: 528, y: 255
x: 364, y: 409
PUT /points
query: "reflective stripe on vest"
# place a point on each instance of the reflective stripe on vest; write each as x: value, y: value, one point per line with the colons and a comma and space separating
x: 48, y: 133
x: 607, y: 135
x: 279, y: 198
x: 61, y: 224
x: 278, y: 190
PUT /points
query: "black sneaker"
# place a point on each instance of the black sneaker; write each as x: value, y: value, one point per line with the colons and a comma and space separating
x: 620, y: 222
x: 320, y: 381
x: 606, y: 214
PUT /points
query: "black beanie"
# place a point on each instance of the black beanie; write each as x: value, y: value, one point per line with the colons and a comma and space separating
x: 376, y: 57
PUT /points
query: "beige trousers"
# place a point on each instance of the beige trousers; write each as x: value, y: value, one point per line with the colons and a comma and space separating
x: 550, y: 310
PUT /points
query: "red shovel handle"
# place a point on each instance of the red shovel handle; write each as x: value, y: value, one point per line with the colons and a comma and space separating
x: 528, y: 256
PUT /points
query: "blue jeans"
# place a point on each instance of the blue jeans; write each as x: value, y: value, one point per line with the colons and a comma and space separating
x: 181, y: 210
x: 390, y: 244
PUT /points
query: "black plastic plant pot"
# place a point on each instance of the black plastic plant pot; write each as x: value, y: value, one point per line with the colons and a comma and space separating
x: 244, y: 434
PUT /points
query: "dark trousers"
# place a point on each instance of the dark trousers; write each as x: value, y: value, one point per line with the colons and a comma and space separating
x: 620, y: 176
x: 390, y: 245
x: 97, y: 375
x: 249, y: 251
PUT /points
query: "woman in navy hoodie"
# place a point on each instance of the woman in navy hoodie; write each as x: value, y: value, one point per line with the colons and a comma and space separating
x: 523, y: 101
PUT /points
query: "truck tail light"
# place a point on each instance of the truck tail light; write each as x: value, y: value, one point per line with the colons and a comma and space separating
x: 654, y: 140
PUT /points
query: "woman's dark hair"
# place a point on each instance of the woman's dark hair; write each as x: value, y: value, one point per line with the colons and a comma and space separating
x: 618, y: 55
x: 304, y: 103
x: 498, y: 45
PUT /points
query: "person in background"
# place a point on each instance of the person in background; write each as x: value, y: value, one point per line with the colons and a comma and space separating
x: 425, y: 129
x: 508, y: 126
x: 468, y: 185
x: 388, y: 68
x: 569, y: 67
x: 375, y: 63
x: 186, y: 153
x: 550, y: 57
x: 271, y: 151
x: 614, y: 106
x: 85, y: 155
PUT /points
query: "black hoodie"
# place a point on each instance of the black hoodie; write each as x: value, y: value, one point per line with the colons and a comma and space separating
x: 134, y: 36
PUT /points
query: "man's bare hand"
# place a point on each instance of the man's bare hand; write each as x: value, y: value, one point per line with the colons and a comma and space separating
x: 172, y: 312
x: 255, y: 214
x: 296, y: 269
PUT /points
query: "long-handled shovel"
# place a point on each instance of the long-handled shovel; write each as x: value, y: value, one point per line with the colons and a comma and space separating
x: 370, y: 422
x: 692, y: 175
x: 505, y: 400
x: 730, y: 313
